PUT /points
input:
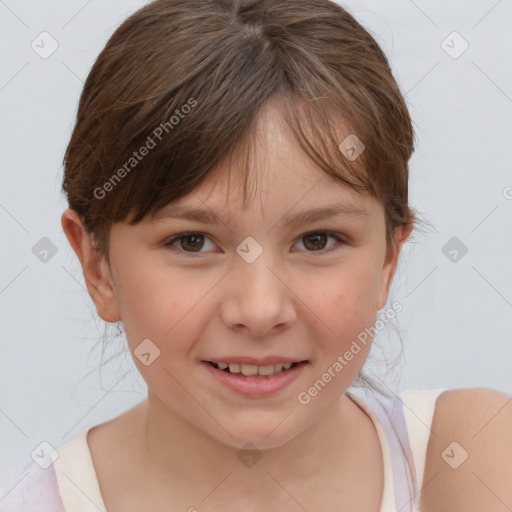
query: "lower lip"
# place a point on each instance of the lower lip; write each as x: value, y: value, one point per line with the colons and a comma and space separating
x: 256, y: 386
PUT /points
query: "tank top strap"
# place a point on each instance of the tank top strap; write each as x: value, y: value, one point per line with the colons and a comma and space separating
x: 406, y: 419
x: 36, y: 489
x: 418, y: 408
x: 391, y: 416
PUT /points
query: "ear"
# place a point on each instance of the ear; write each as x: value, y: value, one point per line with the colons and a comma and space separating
x: 95, y: 268
x: 390, y: 264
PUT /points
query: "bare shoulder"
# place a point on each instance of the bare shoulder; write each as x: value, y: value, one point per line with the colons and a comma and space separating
x: 469, y: 455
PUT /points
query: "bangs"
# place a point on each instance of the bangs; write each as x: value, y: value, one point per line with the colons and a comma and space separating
x: 179, y: 88
x: 317, y: 131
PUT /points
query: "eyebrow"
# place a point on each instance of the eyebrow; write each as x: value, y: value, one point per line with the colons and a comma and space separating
x: 210, y: 217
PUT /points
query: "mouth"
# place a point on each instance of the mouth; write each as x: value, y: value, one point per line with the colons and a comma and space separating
x: 255, y: 371
x: 255, y: 381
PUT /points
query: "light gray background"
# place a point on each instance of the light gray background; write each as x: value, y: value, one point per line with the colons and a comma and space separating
x: 456, y: 319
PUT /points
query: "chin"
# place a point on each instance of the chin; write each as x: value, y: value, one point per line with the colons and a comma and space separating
x: 260, y: 436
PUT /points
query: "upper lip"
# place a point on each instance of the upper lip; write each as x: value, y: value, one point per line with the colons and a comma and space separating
x: 264, y: 361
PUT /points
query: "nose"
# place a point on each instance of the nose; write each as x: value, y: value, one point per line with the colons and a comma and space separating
x: 257, y: 299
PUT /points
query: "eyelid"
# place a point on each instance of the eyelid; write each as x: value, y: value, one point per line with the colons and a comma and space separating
x: 340, y: 238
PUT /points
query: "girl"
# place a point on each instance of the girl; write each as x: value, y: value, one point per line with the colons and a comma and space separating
x: 237, y: 183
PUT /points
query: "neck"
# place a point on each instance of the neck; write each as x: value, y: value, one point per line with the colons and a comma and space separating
x: 173, y: 450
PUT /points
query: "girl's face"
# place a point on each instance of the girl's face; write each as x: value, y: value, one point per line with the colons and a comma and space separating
x: 257, y: 285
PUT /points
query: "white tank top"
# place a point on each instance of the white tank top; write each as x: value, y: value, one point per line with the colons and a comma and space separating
x: 403, y: 425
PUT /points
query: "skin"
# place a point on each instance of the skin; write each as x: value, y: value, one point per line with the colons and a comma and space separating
x: 291, y: 301
x: 479, y: 421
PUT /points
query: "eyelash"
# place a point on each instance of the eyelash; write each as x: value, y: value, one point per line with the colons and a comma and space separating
x: 339, y: 241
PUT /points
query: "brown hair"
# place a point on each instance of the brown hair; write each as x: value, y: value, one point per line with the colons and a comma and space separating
x: 186, y: 79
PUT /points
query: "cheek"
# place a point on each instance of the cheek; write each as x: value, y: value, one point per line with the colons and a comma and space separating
x: 156, y: 304
x: 341, y: 308
x: 342, y: 298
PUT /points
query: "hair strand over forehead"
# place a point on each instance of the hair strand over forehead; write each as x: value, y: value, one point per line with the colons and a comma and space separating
x: 229, y: 58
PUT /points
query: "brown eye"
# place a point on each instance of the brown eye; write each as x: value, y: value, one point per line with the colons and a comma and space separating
x: 192, y: 242
x: 188, y: 242
x: 315, y: 241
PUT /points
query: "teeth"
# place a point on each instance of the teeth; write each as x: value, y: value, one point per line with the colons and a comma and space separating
x: 266, y: 370
x: 250, y: 369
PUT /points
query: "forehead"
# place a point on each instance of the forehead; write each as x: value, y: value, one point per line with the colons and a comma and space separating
x: 270, y: 165
x: 269, y: 174
x: 290, y: 202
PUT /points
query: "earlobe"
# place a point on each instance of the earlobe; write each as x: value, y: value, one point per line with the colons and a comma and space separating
x: 390, y: 265
x: 94, y: 266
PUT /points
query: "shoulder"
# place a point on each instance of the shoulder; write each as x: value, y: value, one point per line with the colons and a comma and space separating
x: 469, y: 455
